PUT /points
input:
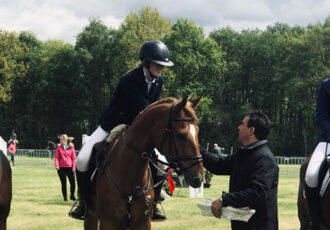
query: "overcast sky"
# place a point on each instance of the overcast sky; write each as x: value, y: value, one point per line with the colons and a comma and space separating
x: 64, y: 19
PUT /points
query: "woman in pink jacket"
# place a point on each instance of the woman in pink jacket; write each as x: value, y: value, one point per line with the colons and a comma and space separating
x: 65, y: 163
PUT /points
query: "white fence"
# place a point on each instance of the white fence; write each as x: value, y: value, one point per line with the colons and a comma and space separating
x: 290, y: 160
x: 36, y: 153
x: 34, y: 157
x: 46, y: 157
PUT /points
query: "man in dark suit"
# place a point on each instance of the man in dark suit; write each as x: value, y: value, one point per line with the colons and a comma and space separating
x: 136, y: 90
x: 253, y: 175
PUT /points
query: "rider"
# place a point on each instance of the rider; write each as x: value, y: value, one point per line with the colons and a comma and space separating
x: 319, y: 155
x: 137, y: 89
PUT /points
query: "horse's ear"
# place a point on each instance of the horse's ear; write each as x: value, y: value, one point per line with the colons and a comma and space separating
x: 196, y: 101
x: 178, y: 107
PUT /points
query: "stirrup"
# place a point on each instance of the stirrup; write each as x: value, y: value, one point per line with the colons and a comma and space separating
x: 75, y: 205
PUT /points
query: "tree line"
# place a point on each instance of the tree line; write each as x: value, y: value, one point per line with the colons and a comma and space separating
x: 52, y: 87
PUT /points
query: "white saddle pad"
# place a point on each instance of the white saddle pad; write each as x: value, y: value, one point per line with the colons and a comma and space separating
x: 114, y: 133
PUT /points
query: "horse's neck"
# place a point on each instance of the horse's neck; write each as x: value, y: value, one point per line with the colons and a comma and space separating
x: 128, y: 165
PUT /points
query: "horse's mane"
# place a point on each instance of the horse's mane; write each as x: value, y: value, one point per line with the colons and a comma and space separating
x: 170, y: 100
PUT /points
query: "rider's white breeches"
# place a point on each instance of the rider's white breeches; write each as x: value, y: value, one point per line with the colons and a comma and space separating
x: 312, y: 173
x: 160, y: 165
x: 86, y: 151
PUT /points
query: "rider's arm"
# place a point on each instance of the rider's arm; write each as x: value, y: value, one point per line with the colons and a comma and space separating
x: 322, y: 108
x: 57, y: 156
x: 73, y: 159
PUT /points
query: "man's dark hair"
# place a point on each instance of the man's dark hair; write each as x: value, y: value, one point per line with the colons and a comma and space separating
x: 260, y: 122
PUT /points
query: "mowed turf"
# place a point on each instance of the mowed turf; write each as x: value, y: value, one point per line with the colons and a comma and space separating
x: 38, y: 205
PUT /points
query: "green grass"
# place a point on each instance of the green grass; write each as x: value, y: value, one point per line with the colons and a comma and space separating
x: 37, y: 203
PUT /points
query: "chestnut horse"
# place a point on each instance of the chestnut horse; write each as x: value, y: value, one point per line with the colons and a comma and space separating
x: 124, y: 195
x: 302, y: 204
x: 5, y: 190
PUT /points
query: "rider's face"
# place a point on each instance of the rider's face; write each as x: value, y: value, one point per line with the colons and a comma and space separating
x: 156, y: 69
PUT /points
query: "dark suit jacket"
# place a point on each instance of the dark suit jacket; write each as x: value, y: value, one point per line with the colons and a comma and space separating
x: 253, y: 183
x: 130, y: 98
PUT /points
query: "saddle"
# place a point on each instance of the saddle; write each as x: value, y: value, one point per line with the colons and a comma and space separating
x: 99, y: 158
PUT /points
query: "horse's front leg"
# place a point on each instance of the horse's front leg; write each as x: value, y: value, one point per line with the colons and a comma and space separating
x: 143, y: 210
x: 142, y: 225
x: 91, y: 222
x: 108, y: 224
x: 3, y: 225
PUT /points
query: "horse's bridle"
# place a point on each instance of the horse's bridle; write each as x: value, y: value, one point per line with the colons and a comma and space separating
x: 175, y: 160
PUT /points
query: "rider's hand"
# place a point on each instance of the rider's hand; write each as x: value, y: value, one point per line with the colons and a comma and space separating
x: 216, y: 208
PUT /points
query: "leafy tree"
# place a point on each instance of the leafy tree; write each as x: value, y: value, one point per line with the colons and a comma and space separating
x: 11, y: 65
x: 137, y: 29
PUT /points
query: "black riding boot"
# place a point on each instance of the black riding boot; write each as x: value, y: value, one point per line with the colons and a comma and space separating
x: 314, y: 206
x: 158, y: 190
x: 83, y: 180
x: 157, y: 215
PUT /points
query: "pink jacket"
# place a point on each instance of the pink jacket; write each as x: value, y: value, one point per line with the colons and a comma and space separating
x: 65, y: 158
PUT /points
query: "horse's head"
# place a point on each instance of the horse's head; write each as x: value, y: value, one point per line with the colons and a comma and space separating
x: 177, y: 139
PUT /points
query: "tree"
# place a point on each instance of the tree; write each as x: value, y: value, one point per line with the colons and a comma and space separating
x: 96, y: 50
x: 12, y: 67
x: 137, y: 29
x: 198, y: 69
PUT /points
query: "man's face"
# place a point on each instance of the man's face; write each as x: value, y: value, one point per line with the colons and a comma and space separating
x: 244, y: 132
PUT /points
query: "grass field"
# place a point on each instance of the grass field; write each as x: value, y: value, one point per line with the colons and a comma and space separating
x: 37, y: 203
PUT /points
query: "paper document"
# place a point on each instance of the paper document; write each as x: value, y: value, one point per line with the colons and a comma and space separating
x: 229, y: 213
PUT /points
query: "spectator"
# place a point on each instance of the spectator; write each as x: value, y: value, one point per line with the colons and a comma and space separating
x: 219, y: 151
x: 12, y: 147
x: 65, y: 163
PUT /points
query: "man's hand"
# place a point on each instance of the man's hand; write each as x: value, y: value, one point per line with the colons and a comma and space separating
x: 216, y: 208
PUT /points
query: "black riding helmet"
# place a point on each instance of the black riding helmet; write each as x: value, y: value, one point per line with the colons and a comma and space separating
x: 157, y: 52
